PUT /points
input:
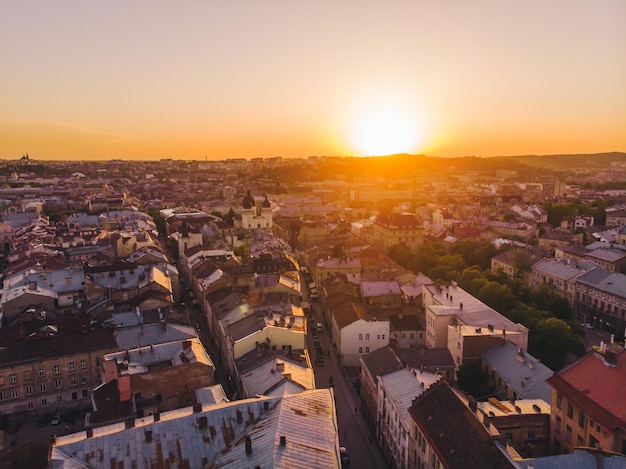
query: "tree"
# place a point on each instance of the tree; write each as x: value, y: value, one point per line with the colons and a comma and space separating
x: 498, y: 296
x: 471, y: 379
x: 552, y: 340
x: 401, y: 254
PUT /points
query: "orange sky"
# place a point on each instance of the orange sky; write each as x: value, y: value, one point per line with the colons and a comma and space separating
x: 196, y: 79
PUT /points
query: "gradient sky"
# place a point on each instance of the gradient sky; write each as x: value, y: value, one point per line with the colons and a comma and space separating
x: 199, y: 79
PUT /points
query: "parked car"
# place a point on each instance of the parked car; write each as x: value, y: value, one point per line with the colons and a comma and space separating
x: 345, y: 457
x: 56, y: 418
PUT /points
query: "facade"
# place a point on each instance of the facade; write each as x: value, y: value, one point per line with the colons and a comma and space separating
x: 162, y: 376
x: 253, y: 216
x: 583, y: 410
x: 464, y: 325
x: 559, y: 275
x: 374, y: 365
x: 54, y: 372
x: 523, y: 230
x: 361, y: 337
x: 524, y: 423
x: 600, y: 300
x: 392, y: 229
x: 396, y: 391
x: 446, y: 433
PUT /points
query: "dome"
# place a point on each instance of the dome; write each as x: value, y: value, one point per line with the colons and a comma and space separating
x: 248, y: 200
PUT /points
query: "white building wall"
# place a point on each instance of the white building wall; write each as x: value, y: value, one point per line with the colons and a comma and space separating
x: 362, y: 337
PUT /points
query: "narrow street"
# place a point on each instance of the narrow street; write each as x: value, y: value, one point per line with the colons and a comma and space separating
x: 353, y: 431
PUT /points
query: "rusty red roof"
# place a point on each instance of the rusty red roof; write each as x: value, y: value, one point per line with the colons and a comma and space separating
x: 596, y: 388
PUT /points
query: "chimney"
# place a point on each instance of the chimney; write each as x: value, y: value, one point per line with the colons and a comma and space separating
x: 202, y: 423
x: 89, y: 432
x: 197, y: 408
x: 248, y: 446
x: 156, y: 416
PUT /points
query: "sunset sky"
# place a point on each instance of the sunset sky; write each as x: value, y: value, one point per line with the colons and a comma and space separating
x: 212, y: 79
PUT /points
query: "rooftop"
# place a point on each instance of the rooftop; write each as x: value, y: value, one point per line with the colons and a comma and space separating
x: 239, y: 434
x: 522, y: 372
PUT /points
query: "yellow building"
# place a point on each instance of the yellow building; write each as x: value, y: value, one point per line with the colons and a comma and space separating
x: 588, y: 403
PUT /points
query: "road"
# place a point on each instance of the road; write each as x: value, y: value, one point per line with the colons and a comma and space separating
x: 354, y: 433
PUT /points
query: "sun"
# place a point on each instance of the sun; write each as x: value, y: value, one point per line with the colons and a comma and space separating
x: 386, y: 131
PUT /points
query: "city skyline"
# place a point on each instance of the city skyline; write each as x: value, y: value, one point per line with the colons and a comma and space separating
x: 260, y: 79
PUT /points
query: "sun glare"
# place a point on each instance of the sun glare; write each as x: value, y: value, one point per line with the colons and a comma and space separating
x: 385, y: 131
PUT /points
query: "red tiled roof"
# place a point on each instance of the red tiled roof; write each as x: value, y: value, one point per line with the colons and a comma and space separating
x: 595, y: 388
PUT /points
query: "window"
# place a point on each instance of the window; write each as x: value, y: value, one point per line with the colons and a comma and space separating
x: 83, y: 364
x: 360, y: 349
x: 557, y: 425
x: 12, y: 378
x: 42, y: 372
x: 568, y: 433
x: 85, y: 394
x: 559, y: 400
x: 30, y: 405
x: 44, y: 402
x: 367, y: 350
x: 531, y: 434
x: 367, y: 337
x: 360, y: 336
x: 579, y: 441
x: 28, y: 390
x: 570, y: 410
x: 383, y: 336
x: 412, y: 335
x: 582, y: 420
x: 59, y: 398
x: 42, y: 387
x: 3, y: 396
x: 83, y: 379
x: 72, y: 380
x: 74, y: 395
x: 56, y: 369
x: 58, y: 384
x: 71, y: 366
x: 15, y: 393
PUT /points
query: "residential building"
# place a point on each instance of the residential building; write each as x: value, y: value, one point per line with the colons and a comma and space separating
x: 446, y: 433
x: 52, y: 371
x: 515, y: 374
x: 162, y: 376
x: 397, y: 228
x: 587, y: 403
x: 407, y: 330
x: 524, y: 423
x: 257, y: 432
x: 600, y: 300
x: 523, y: 231
x: 559, y: 275
x: 373, y: 365
x: 464, y: 325
x: 396, y: 391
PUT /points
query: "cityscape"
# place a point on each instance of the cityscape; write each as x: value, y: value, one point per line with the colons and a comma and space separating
x: 367, y: 235
x: 401, y: 311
